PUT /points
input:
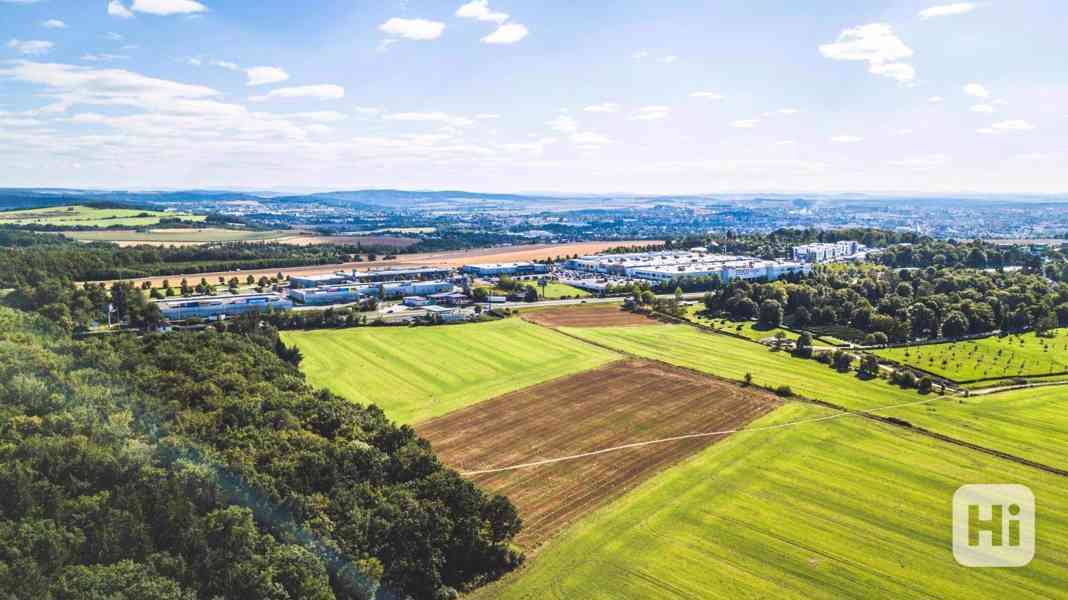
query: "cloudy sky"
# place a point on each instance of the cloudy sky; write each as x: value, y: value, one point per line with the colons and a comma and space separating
x: 671, y: 96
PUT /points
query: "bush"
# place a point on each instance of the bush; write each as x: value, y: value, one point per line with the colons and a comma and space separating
x: 784, y: 391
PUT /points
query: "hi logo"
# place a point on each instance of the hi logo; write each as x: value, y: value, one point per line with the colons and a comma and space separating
x: 994, y: 526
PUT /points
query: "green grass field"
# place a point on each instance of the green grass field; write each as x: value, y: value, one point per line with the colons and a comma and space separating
x: 840, y: 509
x: 732, y: 358
x: 556, y: 290
x: 1032, y: 424
x: 87, y: 216
x: 417, y: 373
x: 994, y: 357
x: 177, y: 236
x: 748, y: 329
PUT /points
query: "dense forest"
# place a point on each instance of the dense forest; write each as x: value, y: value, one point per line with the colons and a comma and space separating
x: 199, y: 465
x: 900, y: 305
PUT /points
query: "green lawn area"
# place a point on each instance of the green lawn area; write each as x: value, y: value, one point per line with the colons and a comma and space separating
x: 87, y: 216
x: 415, y: 373
x: 556, y: 290
x: 839, y: 509
x: 1015, y: 355
x: 749, y: 329
x: 1032, y: 424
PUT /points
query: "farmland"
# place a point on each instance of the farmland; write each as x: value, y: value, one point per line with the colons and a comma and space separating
x: 621, y: 403
x: 1017, y: 355
x: 178, y: 237
x: 88, y: 216
x: 591, y: 315
x: 417, y: 373
x: 845, y: 508
x: 732, y: 358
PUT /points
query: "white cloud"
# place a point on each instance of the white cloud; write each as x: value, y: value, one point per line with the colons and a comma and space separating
x: 563, y: 124
x: 671, y: 58
x: 983, y: 108
x: 604, y: 107
x: 977, y: 90
x: 640, y: 54
x: 105, y: 57
x: 877, y: 45
x: 785, y: 112
x: 115, y: 37
x: 508, y: 33
x: 166, y: 8
x: 118, y: 9
x: 225, y: 64
x: 487, y: 116
x: 588, y: 138
x: 370, y: 111
x: 480, y: 10
x: 650, y: 113
x: 30, y: 47
x: 196, y: 62
x: 708, y: 95
x: 265, y: 75
x: 1009, y: 127
x: 922, y: 163
x: 901, y: 132
x: 322, y: 116
x: 946, y: 10
x: 746, y: 123
x: 54, y: 24
x: 413, y: 29
x: 936, y: 99
x: 431, y: 117
x: 320, y: 92
x: 846, y: 139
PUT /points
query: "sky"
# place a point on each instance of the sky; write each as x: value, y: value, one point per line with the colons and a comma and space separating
x: 649, y: 97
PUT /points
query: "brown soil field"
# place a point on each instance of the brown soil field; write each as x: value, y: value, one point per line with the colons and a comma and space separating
x: 625, y: 402
x: 368, y: 240
x: 455, y: 258
x: 590, y: 315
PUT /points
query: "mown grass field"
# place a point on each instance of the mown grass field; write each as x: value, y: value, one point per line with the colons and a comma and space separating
x: 732, y: 358
x: 748, y: 329
x: 87, y: 216
x: 417, y: 373
x: 839, y: 509
x: 556, y: 290
x: 1031, y: 423
x: 1018, y: 355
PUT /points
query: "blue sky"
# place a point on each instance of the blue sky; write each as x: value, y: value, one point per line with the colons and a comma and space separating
x: 516, y: 95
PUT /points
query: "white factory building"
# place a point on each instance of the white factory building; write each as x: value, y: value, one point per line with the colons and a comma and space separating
x: 512, y: 268
x: 669, y: 266
x: 819, y: 253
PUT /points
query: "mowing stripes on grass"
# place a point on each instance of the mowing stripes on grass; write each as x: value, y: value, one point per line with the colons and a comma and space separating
x: 415, y: 373
x: 1031, y: 424
x: 849, y: 509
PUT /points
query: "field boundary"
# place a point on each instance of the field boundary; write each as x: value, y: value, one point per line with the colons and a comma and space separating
x: 899, y: 423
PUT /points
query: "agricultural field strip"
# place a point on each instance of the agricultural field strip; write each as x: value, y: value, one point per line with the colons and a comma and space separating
x: 941, y: 418
x: 601, y: 407
x: 838, y: 415
x: 861, y: 511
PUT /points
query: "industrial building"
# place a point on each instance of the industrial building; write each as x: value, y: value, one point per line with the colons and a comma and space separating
x: 517, y: 269
x: 378, y: 276
x: 818, y: 253
x: 328, y: 295
x: 212, y: 307
x: 667, y: 266
x: 354, y: 293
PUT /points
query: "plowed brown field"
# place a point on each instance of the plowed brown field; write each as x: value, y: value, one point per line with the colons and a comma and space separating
x: 590, y: 315
x: 625, y: 402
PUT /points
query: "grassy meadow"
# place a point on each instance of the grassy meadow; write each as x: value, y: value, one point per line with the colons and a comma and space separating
x: 1030, y: 423
x: 839, y: 509
x: 88, y: 216
x: 1016, y: 355
x: 177, y: 236
x: 415, y: 373
x: 748, y: 329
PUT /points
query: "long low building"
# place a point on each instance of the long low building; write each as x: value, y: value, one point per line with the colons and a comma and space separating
x: 725, y: 271
x: 325, y: 296
x: 513, y: 268
x: 206, y: 307
x: 624, y: 265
